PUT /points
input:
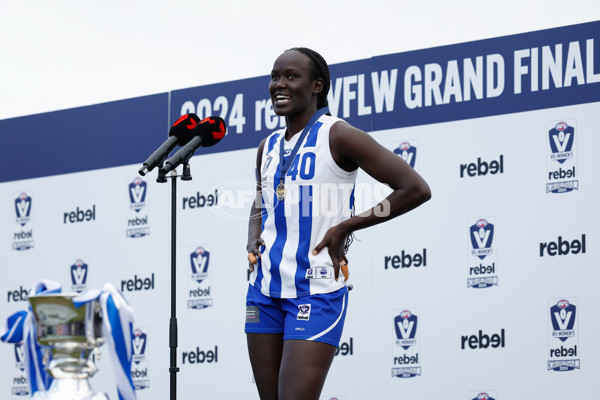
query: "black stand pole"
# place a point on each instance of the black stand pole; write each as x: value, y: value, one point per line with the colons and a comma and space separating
x: 173, y: 369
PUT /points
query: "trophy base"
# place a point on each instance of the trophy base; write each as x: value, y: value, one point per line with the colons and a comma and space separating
x: 70, y: 389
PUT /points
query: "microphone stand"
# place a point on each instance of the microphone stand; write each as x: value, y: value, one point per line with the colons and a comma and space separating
x: 162, y: 178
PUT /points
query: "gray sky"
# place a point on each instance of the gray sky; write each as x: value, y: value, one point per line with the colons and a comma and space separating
x: 68, y: 53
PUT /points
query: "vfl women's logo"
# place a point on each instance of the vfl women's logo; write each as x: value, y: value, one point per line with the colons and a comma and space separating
x: 303, y: 312
x: 79, y: 272
x: 19, y: 356
x: 407, y: 152
x: 406, y: 329
x: 562, y: 316
x: 139, y: 346
x: 483, y: 396
x: 137, y: 194
x: 482, y: 236
x: 23, y: 208
x: 561, y: 142
x: 199, y: 261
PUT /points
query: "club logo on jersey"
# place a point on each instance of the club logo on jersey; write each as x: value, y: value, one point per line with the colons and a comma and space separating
x: 405, y: 351
x: 23, y: 208
x: 562, y: 316
x: 79, y: 274
x: 406, y: 328
x: 563, y: 344
x: 199, y: 261
x: 139, y: 346
x: 561, y: 142
x: 561, y: 158
x: 303, y: 312
x: 137, y: 194
x: 408, y: 152
x: 482, y: 236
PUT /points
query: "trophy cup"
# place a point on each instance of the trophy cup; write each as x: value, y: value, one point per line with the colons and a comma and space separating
x: 70, y: 335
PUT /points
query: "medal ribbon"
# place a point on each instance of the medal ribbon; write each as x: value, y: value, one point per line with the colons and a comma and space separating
x: 284, y: 166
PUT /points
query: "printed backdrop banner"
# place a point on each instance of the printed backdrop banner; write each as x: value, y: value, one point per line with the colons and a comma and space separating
x: 488, y: 291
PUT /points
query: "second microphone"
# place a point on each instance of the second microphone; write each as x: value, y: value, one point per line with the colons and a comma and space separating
x: 208, y: 133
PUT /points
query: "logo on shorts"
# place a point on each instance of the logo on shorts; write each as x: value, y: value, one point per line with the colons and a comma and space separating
x: 408, y: 152
x: 303, y: 312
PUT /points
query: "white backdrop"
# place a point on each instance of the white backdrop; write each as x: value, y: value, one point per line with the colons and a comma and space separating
x: 464, y: 340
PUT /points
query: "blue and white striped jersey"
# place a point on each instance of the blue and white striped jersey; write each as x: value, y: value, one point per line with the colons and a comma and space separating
x: 319, y: 195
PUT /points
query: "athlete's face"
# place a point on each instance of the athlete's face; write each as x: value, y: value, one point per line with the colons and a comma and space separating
x: 291, y: 87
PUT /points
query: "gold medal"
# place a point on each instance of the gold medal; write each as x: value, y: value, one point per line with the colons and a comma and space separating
x: 281, y: 191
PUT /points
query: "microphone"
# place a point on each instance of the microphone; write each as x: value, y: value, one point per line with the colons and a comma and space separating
x: 181, y: 133
x: 208, y: 133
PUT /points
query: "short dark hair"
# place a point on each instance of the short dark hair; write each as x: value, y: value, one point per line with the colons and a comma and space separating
x: 319, y: 70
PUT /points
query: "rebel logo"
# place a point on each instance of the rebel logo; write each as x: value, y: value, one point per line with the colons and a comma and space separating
x: 201, y: 201
x: 139, y: 346
x: 80, y: 215
x: 199, y: 260
x: 561, y: 142
x: 137, y: 194
x: 481, y: 168
x: 23, y: 208
x: 201, y: 356
x: 138, y: 284
x: 79, y: 273
x: 406, y: 260
x: 405, y: 326
x: 17, y: 295
x: 563, y: 247
x: 483, y: 341
x: 407, y: 152
x: 562, y: 316
x: 482, y: 236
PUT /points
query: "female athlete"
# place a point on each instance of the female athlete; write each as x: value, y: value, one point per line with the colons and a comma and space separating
x: 297, y: 299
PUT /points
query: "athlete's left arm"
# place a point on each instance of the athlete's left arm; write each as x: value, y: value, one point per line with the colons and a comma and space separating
x: 352, y: 148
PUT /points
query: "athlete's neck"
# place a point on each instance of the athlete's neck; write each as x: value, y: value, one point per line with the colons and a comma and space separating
x: 296, y: 123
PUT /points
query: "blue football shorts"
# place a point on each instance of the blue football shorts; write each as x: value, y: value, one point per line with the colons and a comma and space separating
x: 319, y: 317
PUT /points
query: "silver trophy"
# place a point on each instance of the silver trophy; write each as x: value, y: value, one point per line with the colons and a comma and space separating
x: 71, y: 336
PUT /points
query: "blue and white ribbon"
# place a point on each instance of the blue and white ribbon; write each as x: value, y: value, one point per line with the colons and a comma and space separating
x: 117, y: 325
x: 20, y: 327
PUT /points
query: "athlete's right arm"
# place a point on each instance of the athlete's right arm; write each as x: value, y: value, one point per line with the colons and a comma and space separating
x: 255, y: 220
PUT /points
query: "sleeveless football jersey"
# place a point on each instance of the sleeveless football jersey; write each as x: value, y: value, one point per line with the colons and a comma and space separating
x: 319, y: 195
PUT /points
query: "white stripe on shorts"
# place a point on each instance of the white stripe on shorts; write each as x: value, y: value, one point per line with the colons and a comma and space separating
x: 318, y: 335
